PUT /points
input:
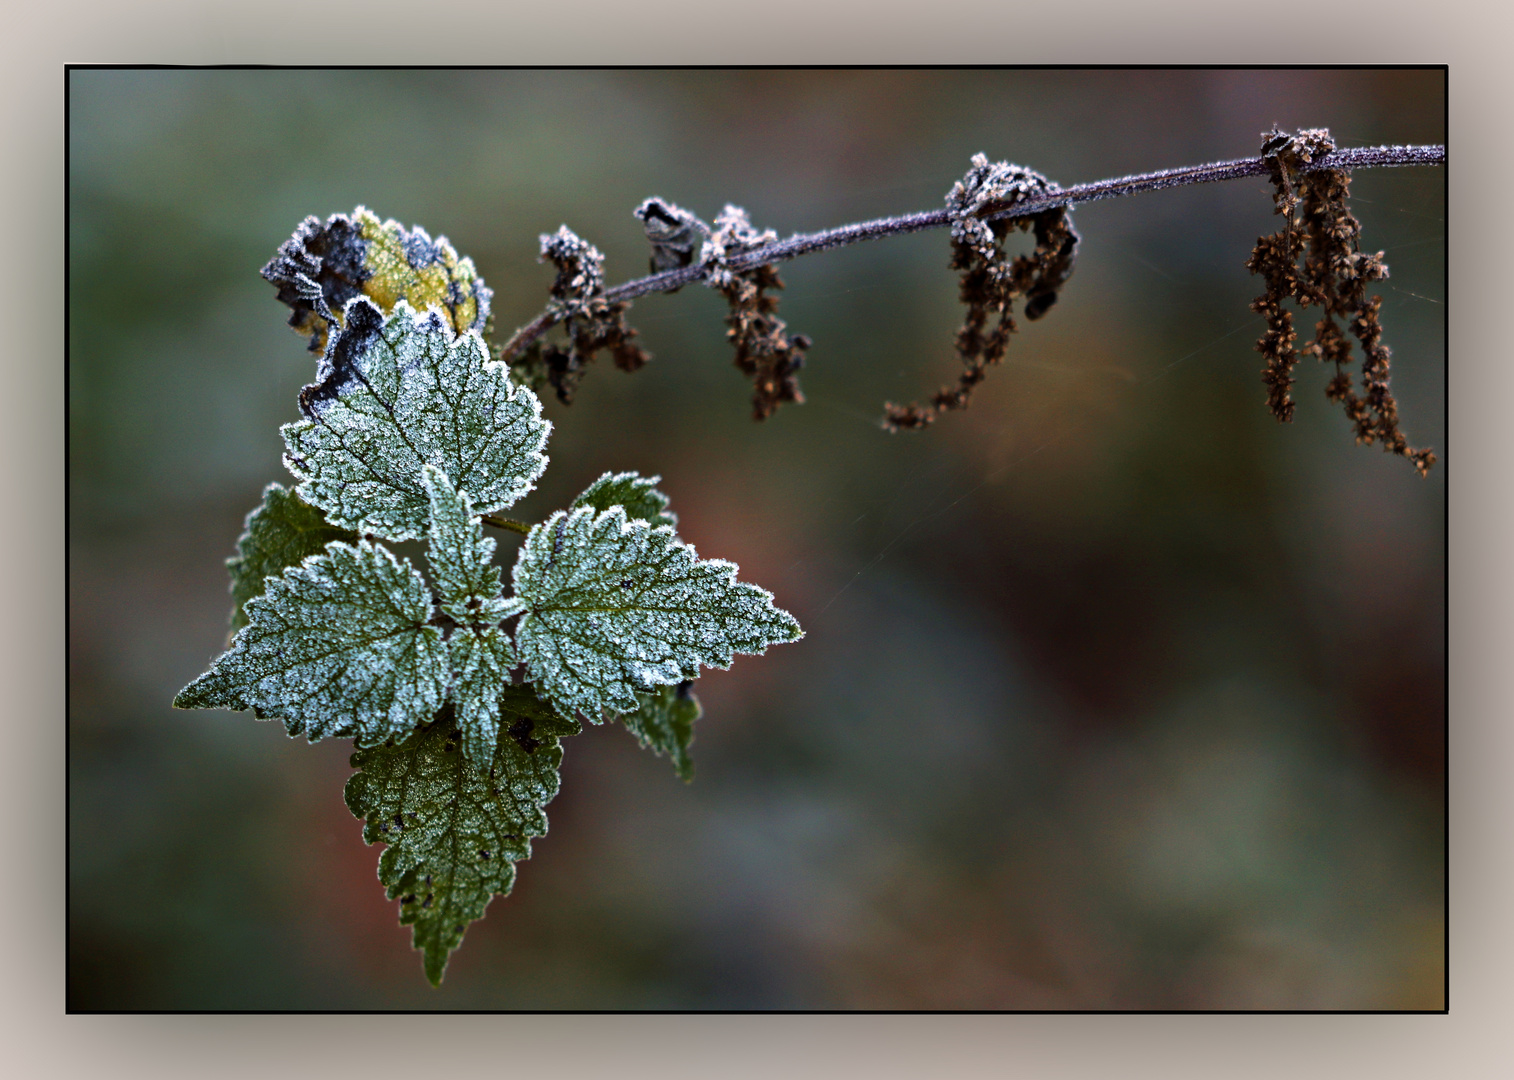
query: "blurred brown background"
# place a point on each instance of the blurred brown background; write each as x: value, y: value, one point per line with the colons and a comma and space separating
x: 1116, y: 693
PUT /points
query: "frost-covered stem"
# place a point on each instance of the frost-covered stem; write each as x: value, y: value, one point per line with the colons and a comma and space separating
x: 808, y: 243
x: 506, y: 523
x: 533, y: 330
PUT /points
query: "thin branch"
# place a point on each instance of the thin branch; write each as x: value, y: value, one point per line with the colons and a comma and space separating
x: 808, y: 243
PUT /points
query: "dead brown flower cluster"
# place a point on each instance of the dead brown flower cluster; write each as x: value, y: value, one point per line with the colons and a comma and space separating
x: 765, y: 352
x: 592, y: 324
x: 1313, y: 259
x: 1316, y: 260
x: 990, y: 281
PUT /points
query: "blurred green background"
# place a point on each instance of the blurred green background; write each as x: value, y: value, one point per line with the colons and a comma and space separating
x: 1116, y: 693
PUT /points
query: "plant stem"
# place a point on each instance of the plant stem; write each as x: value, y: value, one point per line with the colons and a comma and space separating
x: 808, y: 243
x: 506, y: 523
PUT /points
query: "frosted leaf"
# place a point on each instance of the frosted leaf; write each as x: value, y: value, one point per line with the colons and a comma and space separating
x: 665, y: 723
x: 460, y: 554
x: 481, y: 661
x: 280, y: 533
x: 397, y: 394
x: 454, y: 830
x: 613, y: 607
x: 480, y: 654
x: 338, y: 645
x: 672, y: 231
x: 638, y: 494
x: 321, y: 267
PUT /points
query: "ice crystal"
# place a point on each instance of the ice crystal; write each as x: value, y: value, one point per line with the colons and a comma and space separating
x: 613, y: 608
x: 397, y: 394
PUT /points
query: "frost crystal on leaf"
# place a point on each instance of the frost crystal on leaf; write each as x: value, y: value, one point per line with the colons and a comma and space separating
x: 481, y: 661
x: 336, y: 646
x: 665, y: 723
x: 454, y: 830
x: 280, y: 533
x: 479, y: 652
x: 638, y: 494
x: 614, y: 608
x: 460, y: 554
x: 397, y: 394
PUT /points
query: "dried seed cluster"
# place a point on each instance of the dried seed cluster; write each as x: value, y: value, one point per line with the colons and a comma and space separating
x: 1316, y: 259
x: 592, y: 323
x: 991, y: 282
x: 765, y: 352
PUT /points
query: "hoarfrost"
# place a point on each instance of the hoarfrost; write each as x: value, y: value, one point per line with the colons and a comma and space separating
x: 638, y: 494
x: 614, y: 607
x: 322, y: 267
x: 460, y: 554
x: 481, y: 661
x: 337, y: 646
x: 672, y: 231
x: 397, y: 394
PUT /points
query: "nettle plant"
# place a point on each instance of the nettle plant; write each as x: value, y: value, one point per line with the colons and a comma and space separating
x: 457, y: 695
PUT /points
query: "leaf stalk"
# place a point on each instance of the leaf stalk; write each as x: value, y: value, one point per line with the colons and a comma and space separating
x: 506, y: 523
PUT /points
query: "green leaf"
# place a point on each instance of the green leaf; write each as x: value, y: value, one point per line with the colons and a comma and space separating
x: 638, y: 494
x: 480, y: 653
x: 397, y: 394
x: 665, y: 723
x: 453, y: 830
x: 613, y: 608
x: 338, y: 645
x: 460, y: 554
x: 280, y: 533
x: 481, y: 661
x: 528, y: 720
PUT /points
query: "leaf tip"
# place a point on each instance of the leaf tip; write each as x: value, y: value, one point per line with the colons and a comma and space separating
x: 210, y: 691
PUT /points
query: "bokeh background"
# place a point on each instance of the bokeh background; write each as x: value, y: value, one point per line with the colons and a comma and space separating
x: 1116, y: 693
